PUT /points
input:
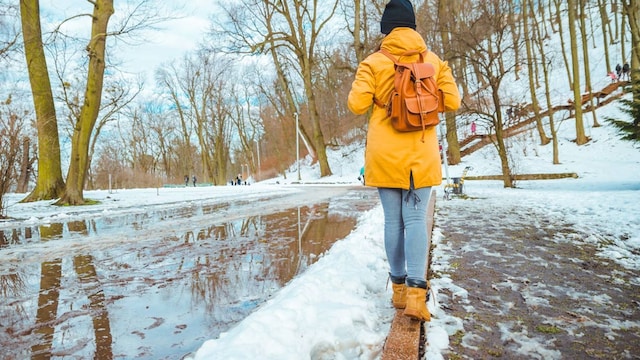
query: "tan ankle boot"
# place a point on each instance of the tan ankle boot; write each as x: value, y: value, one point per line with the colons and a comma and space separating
x: 399, y: 298
x: 417, y: 301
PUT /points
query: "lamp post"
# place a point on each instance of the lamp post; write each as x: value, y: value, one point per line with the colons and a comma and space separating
x: 297, y: 146
x: 258, y: 151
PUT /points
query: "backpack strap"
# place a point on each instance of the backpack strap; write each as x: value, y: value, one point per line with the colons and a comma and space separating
x: 386, y: 53
x: 378, y: 102
x: 395, y: 62
x: 423, y: 55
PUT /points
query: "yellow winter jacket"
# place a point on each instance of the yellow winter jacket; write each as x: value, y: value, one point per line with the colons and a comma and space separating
x: 392, y: 156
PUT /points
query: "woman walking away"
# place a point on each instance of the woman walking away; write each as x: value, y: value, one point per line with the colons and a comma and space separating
x: 399, y: 164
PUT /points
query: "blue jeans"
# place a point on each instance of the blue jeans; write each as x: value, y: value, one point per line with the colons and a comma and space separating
x: 405, y: 230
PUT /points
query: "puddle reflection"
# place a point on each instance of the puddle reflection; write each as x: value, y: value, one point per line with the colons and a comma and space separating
x: 158, y: 298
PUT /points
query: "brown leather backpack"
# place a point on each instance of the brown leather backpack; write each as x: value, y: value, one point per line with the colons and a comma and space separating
x: 415, y: 100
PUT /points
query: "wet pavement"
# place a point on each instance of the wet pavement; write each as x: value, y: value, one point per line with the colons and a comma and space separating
x: 157, y: 283
x: 535, y: 286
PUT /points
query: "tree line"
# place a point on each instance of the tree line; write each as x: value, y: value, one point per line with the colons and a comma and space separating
x: 230, y: 106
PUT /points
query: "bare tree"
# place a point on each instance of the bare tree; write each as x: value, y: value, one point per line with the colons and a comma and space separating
x: 80, y: 140
x: 530, y: 66
x: 118, y: 93
x: 293, y: 28
x: 488, y: 49
x: 11, y: 133
x: 9, y: 30
x: 585, y: 56
x: 199, y: 89
x: 362, y: 18
x: 445, y: 20
x: 141, y: 16
x: 245, y: 116
x: 169, y: 78
x: 162, y: 133
x: 545, y: 65
x: 606, y: 31
x: 564, y: 52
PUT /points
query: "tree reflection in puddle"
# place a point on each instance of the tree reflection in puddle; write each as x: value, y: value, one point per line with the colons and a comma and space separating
x: 159, y: 294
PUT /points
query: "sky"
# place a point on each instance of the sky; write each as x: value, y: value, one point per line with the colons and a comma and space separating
x: 339, y: 307
x: 169, y: 41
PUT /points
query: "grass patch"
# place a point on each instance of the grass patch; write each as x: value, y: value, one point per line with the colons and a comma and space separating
x: 456, y: 339
x: 495, y: 352
x: 86, y: 202
x: 548, y: 329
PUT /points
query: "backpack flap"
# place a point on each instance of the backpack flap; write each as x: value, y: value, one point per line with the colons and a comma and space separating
x: 423, y: 100
x: 423, y: 71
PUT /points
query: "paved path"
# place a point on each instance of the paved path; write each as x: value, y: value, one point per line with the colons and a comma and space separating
x: 535, y: 288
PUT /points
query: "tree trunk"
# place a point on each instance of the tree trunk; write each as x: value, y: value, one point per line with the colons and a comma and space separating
x: 585, y: 56
x: 604, y: 19
x: 544, y: 140
x: 623, y: 31
x: 581, y: 138
x: 633, y: 12
x: 73, y: 194
x: 453, y: 145
x: 49, y: 184
x: 357, y: 28
x: 25, y: 167
x: 539, y: 42
x: 632, y: 8
x: 318, y: 137
x: 507, y: 179
x: 562, y: 42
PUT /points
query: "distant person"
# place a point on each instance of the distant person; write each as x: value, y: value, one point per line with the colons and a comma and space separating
x: 613, y: 76
x: 619, y: 71
x: 402, y: 165
x: 361, y: 177
x: 625, y: 71
x: 473, y: 128
x: 194, y: 181
x: 239, y: 179
x: 186, y: 180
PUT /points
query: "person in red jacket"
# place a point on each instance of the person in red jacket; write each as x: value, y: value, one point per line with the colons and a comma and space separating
x: 399, y: 164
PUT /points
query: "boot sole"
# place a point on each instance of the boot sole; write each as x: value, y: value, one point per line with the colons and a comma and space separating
x: 415, y: 316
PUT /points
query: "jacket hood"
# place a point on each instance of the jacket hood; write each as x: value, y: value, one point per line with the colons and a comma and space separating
x: 401, y: 40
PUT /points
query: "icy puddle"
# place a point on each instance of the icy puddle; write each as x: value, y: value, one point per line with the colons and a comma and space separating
x: 156, y: 284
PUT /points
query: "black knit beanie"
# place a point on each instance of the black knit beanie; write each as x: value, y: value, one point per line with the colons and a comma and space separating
x: 397, y: 13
